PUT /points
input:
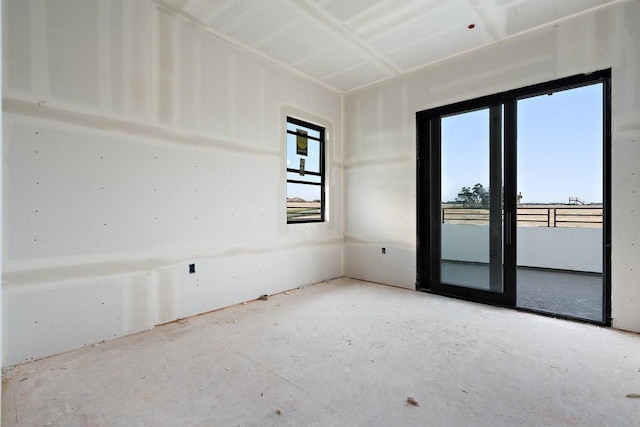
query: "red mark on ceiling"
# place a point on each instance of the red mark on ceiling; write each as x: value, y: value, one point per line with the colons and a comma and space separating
x: 471, y: 26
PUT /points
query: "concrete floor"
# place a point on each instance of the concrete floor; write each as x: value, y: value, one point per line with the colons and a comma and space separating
x: 560, y: 292
x: 340, y: 353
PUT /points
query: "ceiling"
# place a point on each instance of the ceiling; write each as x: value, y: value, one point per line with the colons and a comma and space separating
x: 347, y: 44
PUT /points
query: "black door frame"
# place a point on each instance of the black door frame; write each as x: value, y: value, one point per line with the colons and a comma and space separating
x: 428, y: 190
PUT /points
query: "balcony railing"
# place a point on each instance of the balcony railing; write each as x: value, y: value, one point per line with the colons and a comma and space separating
x: 531, y: 216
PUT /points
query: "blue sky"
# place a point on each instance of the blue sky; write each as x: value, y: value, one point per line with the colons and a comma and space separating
x: 559, y: 148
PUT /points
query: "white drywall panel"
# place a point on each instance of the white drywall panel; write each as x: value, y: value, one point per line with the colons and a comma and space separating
x: 396, y: 267
x: 43, y: 317
x: 251, y: 275
x: 136, y: 144
x: 391, y: 225
x: 44, y: 320
x: 380, y: 122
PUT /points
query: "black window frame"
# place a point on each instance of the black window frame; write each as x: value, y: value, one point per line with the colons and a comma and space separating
x: 321, y: 174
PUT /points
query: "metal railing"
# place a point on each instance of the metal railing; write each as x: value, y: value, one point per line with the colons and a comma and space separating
x: 532, y: 216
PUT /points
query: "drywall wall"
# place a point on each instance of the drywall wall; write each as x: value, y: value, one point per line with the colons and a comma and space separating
x: 380, y: 157
x: 135, y: 145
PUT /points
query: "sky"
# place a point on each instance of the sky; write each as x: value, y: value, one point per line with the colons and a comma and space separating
x: 559, y: 148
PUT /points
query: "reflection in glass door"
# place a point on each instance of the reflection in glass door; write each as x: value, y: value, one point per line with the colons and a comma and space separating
x: 471, y: 200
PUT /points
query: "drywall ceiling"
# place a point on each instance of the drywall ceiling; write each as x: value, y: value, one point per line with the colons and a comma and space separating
x: 347, y: 44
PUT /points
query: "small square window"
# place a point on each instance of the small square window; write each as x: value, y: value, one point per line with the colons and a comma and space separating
x: 305, y: 172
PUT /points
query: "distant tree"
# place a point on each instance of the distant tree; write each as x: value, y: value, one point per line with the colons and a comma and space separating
x: 476, y: 197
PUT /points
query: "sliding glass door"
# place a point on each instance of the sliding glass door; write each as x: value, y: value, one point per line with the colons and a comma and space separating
x: 465, y: 203
x: 560, y: 195
x: 488, y: 171
x: 471, y: 200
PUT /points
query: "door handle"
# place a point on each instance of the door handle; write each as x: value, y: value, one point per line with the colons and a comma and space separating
x: 508, y: 228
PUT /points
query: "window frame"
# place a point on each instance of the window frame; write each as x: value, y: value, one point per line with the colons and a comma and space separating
x: 321, y: 174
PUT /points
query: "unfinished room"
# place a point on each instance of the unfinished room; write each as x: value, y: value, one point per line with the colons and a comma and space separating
x: 320, y: 212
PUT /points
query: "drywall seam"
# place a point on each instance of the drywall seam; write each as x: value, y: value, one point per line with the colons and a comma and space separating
x: 105, y: 98
x: 231, y: 93
x: 126, y: 62
x: 343, y: 215
x: 193, y: 21
x: 507, y: 69
x: 67, y: 268
x: 2, y: 315
x: 383, y: 63
x: 110, y: 124
x: 353, y: 239
x: 262, y: 101
x: 197, y: 82
x: 407, y: 128
x: 155, y: 61
x: 509, y: 39
x: 40, y: 80
x: 377, y: 162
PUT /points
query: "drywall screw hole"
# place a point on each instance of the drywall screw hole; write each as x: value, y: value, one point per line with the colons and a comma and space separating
x: 37, y: 133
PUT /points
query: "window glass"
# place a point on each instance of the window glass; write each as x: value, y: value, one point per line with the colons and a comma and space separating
x: 305, y: 171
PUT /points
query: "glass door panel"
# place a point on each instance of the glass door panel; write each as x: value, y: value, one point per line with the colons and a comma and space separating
x: 560, y: 203
x: 471, y: 200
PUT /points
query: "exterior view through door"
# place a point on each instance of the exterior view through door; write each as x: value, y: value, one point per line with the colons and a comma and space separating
x: 513, y: 198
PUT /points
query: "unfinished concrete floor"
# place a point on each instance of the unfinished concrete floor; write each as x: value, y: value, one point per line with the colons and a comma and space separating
x: 340, y: 353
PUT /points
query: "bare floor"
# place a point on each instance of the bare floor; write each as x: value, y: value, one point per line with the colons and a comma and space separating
x: 340, y: 353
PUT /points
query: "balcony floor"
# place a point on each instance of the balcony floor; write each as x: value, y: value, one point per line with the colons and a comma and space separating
x: 574, y: 294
